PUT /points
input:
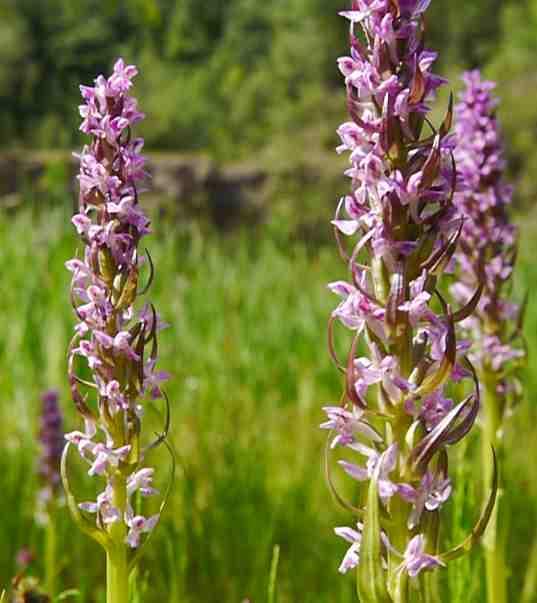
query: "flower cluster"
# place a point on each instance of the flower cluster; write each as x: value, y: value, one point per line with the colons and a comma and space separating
x: 488, y: 241
x: 51, y: 438
x: 396, y: 414
x: 117, y: 342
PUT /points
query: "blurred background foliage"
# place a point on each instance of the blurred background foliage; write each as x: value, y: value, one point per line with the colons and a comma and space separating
x: 270, y: 62
x: 254, y: 82
x: 236, y: 77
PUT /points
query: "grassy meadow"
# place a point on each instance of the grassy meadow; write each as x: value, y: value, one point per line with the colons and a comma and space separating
x: 247, y: 350
x: 254, y: 83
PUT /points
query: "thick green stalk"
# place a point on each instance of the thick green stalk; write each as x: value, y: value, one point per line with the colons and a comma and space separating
x: 429, y: 582
x: 494, y: 539
x: 117, y: 566
x: 117, y: 577
x: 398, y: 580
x: 399, y: 534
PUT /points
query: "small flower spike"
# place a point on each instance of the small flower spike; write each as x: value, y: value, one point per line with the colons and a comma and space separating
x: 52, y: 442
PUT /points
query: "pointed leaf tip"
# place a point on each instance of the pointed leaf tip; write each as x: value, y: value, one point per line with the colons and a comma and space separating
x: 448, y: 119
x: 470, y: 307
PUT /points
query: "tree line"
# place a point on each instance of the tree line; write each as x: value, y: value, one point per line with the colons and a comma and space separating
x: 227, y: 76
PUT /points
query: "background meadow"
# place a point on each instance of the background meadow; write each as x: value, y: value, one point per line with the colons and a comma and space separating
x: 247, y: 305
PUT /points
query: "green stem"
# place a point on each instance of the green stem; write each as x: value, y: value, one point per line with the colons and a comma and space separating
x: 50, y: 554
x: 530, y: 581
x: 399, y: 534
x: 400, y: 594
x: 117, y: 565
x: 117, y: 577
x: 429, y: 583
x: 493, y: 540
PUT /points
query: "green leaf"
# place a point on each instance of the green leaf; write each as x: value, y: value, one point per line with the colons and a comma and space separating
x: 371, y: 576
x: 271, y: 598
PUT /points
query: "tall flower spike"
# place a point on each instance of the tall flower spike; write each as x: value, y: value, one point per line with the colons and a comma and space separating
x: 114, y: 339
x: 488, y: 242
x: 485, y: 260
x: 397, y: 417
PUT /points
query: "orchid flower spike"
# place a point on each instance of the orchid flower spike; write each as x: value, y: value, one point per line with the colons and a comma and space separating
x: 488, y: 243
x: 114, y: 339
x: 398, y: 415
x: 485, y: 261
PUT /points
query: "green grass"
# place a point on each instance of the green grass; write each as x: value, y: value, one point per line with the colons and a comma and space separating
x: 247, y: 350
